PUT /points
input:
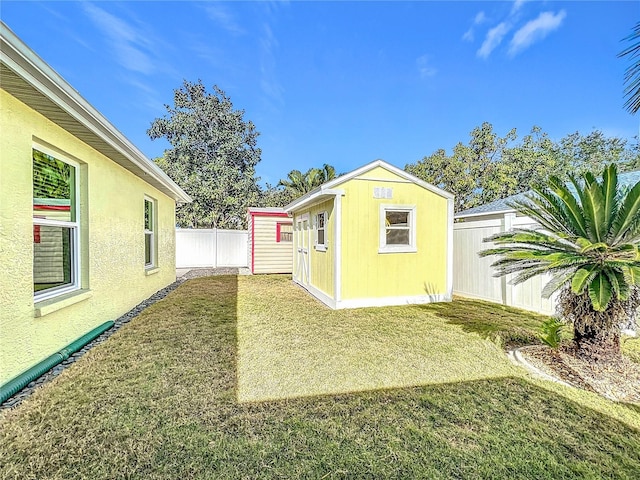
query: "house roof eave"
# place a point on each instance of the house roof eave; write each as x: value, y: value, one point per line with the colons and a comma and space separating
x: 32, y: 81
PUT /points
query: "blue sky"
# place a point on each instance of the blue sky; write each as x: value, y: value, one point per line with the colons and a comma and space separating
x: 345, y: 83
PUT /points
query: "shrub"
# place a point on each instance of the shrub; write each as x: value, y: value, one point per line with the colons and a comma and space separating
x: 551, y: 332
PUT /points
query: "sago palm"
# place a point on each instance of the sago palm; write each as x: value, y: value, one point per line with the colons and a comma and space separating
x: 588, y: 240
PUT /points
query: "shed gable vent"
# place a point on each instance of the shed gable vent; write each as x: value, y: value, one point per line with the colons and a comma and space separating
x: 382, y: 192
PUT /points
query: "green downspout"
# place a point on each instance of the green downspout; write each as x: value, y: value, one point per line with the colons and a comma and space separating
x: 16, y: 384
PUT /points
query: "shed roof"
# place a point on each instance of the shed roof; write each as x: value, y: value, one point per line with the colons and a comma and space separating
x: 32, y: 81
x: 502, y: 205
x: 267, y: 211
x: 328, y: 189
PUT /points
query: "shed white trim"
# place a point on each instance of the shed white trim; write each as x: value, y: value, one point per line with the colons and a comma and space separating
x: 327, y: 189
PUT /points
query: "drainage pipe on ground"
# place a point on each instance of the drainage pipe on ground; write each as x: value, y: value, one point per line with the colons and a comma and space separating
x: 16, y: 384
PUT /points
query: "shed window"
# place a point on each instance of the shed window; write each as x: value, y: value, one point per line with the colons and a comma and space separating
x: 284, y: 232
x: 321, y: 231
x: 397, y: 228
x: 55, y: 226
x: 150, y: 259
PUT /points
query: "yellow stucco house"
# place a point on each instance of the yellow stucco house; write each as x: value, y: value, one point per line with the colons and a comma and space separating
x: 374, y: 237
x: 87, y: 222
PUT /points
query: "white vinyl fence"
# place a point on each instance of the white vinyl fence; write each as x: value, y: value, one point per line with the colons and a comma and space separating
x: 473, y: 275
x: 211, y: 248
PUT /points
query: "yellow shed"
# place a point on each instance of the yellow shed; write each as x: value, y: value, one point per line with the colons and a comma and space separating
x: 270, y: 240
x: 374, y: 237
x: 87, y: 222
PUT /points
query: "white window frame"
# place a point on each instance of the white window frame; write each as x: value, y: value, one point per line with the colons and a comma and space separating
x: 74, y: 226
x: 412, y: 247
x: 152, y: 233
x: 321, y: 247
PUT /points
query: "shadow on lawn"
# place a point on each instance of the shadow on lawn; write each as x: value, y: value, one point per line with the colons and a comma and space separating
x: 160, y: 400
x: 507, y: 326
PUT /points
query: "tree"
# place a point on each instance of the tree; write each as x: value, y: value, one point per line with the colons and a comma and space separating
x: 474, y: 173
x: 212, y: 157
x: 590, y: 242
x: 297, y: 183
x: 274, y: 196
x: 579, y: 153
x: 491, y: 167
x: 632, y: 73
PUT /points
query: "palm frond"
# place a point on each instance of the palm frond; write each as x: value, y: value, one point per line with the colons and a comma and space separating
x: 582, y: 278
x: 572, y: 209
x: 632, y: 72
x: 609, y: 190
x: 600, y: 292
x: 628, y: 215
x: 619, y: 286
x: 594, y: 210
x: 556, y: 283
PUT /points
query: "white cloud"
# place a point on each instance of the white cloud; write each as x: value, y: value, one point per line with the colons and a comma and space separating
x: 424, y: 66
x: 268, y: 68
x: 535, y: 30
x: 224, y: 18
x: 517, y: 5
x: 469, y: 35
x: 127, y: 43
x: 493, y: 39
x: 480, y: 18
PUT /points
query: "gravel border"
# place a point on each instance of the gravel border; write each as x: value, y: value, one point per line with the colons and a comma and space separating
x: 19, y: 397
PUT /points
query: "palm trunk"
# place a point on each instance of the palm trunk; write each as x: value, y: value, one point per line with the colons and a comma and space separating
x: 596, y: 335
x: 595, y: 343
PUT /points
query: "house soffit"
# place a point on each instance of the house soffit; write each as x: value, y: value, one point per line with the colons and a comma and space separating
x: 49, y: 95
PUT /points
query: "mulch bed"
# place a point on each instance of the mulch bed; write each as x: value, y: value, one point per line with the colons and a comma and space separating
x: 616, y: 379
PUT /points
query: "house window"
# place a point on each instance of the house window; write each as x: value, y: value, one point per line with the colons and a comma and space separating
x: 321, y: 231
x: 150, y: 223
x: 284, y: 232
x: 397, y: 228
x: 55, y: 226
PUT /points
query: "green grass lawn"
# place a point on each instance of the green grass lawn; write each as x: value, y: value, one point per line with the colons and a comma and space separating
x: 402, y: 392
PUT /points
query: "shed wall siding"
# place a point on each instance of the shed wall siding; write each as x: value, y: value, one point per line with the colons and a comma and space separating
x: 369, y: 274
x: 270, y: 256
x: 321, y: 263
x: 112, y: 240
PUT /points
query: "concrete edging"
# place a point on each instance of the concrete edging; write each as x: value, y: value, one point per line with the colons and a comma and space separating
x: 516, y: 357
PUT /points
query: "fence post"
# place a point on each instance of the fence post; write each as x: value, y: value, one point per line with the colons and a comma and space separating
x: 215, y: 247
x: 507, y: 289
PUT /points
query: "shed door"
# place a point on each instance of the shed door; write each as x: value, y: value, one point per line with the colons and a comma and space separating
x: 302, y: 232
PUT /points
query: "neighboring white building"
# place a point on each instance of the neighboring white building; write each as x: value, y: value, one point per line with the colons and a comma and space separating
x: 473, y: 275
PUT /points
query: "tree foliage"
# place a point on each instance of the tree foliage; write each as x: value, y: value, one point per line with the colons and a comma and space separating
x: 51, y: 177
x: 490, y: 167
x: 297, y: 184
x: 212, y: 157
x: 589, y: 242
